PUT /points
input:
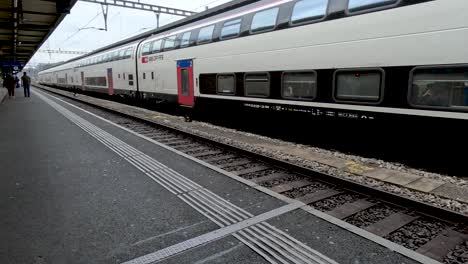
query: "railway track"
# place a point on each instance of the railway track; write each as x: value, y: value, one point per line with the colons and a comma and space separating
x: 435, y: 232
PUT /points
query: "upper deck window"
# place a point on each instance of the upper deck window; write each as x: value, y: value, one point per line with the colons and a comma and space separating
x: 170, y: 42
x: 440, y: 87
x: 264, y: 20
x: 185, y: 41
x: 359, y: 85
x: 115, y: 55
x: 156, y: 47
x: 308, y: 10
x: 128, y: 53
x: 205, y: 34
x: 146, y: 49
x: 231, y: 29
x: 359, y: 5
x: 121, y: 54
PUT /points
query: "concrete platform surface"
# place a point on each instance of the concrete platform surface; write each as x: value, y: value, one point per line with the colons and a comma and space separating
x: 77, y: 189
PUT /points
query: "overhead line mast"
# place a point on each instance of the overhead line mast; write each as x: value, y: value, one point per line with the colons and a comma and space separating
x: 139, y: 6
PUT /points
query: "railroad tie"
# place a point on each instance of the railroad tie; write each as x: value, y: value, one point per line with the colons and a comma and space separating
x: 290, y: 185
x: 318, y: 195
x: 234, y: 163
x: 346, y: 210
x: 390, y: 224
x: 438, y: 247
x: 221, y: 157
x: 250, y: 170
x: 270, y: 177
x: 201, y: 154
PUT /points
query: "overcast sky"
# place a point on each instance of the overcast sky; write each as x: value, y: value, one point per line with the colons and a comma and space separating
x: 122, y: 23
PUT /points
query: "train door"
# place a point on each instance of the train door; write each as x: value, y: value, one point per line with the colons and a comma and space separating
x: 110, y: 82
x: 66, y: 78
x: 82, y: 81
x: 185, y: 83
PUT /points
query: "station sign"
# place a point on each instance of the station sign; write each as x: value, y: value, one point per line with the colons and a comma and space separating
x: 12, y: 64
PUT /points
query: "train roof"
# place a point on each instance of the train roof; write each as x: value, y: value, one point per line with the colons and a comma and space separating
x: 182, y: 22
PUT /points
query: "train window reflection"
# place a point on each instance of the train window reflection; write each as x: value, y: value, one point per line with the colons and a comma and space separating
x: 169, y: 43
x: 440, y: 87
x: 156, y: 47
x: 308, y: 10
x: 185, y: 41
x: 205, y: 34
x: 257, y: 84
x: 185, y: 82
x: 358, y: 85
x: 145, y: 50
x: 299, y: 85
x: 264, y: 20
x: 128, y: 53
x: 231, y: 29
x: 226, y: 84
x: 358, y: 5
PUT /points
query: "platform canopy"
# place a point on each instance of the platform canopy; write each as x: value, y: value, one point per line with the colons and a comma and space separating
x: 25, y: 25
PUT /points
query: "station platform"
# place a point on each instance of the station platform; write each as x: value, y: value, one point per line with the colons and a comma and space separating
x: 77, y: 189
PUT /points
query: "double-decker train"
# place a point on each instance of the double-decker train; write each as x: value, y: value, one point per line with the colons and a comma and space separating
x: 338, y: 59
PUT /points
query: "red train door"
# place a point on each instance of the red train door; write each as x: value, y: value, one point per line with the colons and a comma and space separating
x: 110, y: 82
x: 82, y: 81
x: 185, y: 83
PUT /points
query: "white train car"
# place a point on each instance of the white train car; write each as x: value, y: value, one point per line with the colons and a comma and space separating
x: 349, y: 59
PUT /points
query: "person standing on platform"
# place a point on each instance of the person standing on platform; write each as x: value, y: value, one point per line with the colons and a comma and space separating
x: 26, y: 81
x: 9, y: 83
x: 17, y: 82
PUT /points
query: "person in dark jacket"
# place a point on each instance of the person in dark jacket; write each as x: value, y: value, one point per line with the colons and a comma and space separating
x: 26, y: 83
x: 17, y: 82
x: 9, y: 83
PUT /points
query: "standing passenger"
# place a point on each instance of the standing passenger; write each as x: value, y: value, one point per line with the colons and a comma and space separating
x: 9, y: 83
x: 17, y: 82
x: 26, y: 83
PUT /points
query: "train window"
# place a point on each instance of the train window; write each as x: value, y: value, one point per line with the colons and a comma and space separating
x: 257, y: 84
x: 185, y: 41
x: 205, y: 34
x: 439, y: 87
x: 128, y: 53
x: 121, y: 54
x: 299, y: 85
x: 231, y: 29
x: 119, y: 75
x: 308, y: 10
x: 146, y: 49
x: 113, y: 56
x: 226, y: 84
x: 264, y: 20
x: 144, y: 76
x: 124, y: 76
x: 185, y: 82
x: 156, y: 47
x: 130, y: 77
x: 359, y: 5
x: 152, y: 75
x: 96, y: 81
x: 362, y: 85
x: 169, y: 43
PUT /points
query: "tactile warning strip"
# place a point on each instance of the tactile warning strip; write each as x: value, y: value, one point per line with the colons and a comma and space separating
x: 273, y: 244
